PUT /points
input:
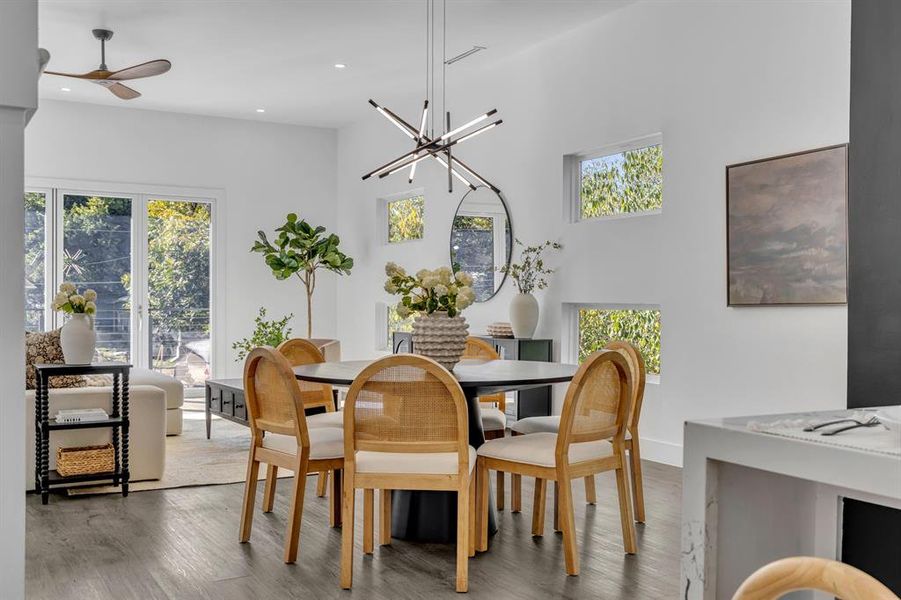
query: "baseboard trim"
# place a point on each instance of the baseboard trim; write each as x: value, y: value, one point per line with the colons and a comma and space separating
x: 659, y: 451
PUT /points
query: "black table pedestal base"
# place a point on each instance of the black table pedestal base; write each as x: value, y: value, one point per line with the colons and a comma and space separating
x: 430, y: 516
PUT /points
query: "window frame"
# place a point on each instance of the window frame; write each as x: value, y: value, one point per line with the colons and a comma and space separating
x: 140, y: 194
x: 572, y: 177
x: 382, y: 215
x: 570, y: 336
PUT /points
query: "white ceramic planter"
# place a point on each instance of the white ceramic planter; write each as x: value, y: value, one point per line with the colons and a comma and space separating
x: 78, y: 339
x: 441, y: 338
x: 524, y: 315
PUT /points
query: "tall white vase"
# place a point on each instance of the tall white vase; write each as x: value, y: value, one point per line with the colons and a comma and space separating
x: 524, y: 315
x: 78, y: 339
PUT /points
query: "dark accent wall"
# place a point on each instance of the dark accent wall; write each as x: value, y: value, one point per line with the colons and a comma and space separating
x: 874, y: 285
x: 871, y: 532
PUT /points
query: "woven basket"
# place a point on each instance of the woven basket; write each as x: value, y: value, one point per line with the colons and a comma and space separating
x: 85, y: 460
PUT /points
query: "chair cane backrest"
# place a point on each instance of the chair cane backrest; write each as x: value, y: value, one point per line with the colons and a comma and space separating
x: 636, y: 364
x: 597, y: 402
x: 406, y: 403
x: 299, y: 352
x: 478, y: 348
x: 795, y: 573
x: 272, y: 396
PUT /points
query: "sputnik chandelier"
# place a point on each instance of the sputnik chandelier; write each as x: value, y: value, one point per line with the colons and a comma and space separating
x: 425, y: 143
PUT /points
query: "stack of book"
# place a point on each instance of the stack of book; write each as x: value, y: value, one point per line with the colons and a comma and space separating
x: 501, y: 330
x: 81, y: 415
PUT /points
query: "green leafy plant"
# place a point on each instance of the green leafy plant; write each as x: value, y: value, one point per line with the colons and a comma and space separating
x: 628, y: 182
x: 265, y: 333
x: 530, y: 272
x: 598, y: 326
x: 429, y: 291
x: 301, y: 249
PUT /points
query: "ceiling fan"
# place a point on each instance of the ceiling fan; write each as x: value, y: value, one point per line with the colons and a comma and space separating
x: 111, y: 79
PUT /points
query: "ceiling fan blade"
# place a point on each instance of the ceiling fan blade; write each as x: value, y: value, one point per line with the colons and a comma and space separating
x: 122, y: 91
x: 147, y: 69
x: 98, y: 74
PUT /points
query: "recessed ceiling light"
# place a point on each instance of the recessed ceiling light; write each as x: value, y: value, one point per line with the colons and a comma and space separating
x: 65, y: 89
x: 340, y: 66
x: 261, y: 110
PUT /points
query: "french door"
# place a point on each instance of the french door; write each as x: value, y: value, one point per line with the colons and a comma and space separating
x: 148, y: 258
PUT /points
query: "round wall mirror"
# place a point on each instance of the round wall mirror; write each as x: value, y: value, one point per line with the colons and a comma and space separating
x: 481, y: 240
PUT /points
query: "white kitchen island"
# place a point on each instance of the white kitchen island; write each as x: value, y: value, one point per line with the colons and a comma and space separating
x: 750, y: 497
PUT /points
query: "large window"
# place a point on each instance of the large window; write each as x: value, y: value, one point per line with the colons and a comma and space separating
x: 641, y: 327
x: 405, y: 219
x: 148, y: 259
x: 618, y: 180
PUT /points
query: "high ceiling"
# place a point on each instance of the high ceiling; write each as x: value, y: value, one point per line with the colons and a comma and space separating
x: 232, y: 57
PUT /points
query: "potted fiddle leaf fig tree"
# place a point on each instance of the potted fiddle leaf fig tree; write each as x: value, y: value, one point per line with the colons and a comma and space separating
x: 299, y: 249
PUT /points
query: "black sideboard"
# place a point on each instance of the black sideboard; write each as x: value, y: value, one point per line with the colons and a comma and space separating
x: 535, y: 402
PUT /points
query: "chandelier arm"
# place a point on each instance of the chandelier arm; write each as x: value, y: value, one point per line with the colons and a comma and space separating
x: 456, y: 173
x: 475, y: 175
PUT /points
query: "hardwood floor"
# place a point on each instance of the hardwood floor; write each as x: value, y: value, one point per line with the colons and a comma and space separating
x: 183, y: 543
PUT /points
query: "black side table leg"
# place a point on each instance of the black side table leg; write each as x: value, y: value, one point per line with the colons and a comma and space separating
x: 44, y: 402
x: 125, y: 426
x: 117, y: 383
x: 209, y: 416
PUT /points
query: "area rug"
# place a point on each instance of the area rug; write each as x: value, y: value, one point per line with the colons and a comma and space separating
x: 193, y: 460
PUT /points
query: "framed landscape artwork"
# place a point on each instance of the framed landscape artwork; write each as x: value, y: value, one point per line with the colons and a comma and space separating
x: 787, y: 229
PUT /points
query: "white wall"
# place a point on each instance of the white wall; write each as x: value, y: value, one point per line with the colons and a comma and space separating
x: 18, y: 96
x: 265, y: 170
x: 724, y: 83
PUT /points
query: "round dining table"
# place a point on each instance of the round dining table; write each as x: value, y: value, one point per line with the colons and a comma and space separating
x: 430, y: 516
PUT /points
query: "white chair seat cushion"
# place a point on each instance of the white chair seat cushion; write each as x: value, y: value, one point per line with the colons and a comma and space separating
x: 493, y: 419
x: 325, y: 442
x: 549, y: 424
x: 326, y: 419
x: 422, y: 463
x: 538, y: 449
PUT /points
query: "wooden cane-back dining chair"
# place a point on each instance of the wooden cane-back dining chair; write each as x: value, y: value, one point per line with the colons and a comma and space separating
x: 795, y: 573
x: 405, y: 423
x: 280, y: 437
x: 300, y: 351
x: 551, y: 424
x: 494, y: 421
x: 591, y: 440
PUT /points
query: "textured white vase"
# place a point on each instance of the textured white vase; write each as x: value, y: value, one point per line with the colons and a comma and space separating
x: 441, y: 338
x: 524, y: 315
x: 78, y: 339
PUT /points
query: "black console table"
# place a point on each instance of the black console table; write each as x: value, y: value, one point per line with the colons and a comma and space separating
x: 44, y: 478
x: 225, y: 398
x: 534, y: 402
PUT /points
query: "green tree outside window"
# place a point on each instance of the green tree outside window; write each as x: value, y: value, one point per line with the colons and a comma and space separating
x: 627, y: 182
x: 598, y: 326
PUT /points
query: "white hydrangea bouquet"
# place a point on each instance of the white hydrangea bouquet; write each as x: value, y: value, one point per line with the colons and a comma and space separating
x: 429, y: 292
x: 70, y: 300
x: 437, y: 297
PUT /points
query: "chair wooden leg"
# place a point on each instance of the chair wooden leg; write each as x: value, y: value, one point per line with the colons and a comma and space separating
x: 463, y: 537
x: 322, y: 484
x: 482, y: 520
x: 269, y: 489
x: 557, y: 507
x: 295, y: 516
x: 570, y: 553
x: 347, y: 532
x: 472, y: 514
x: 335, y: 499
x: 368, y: 510
x: 250, y: 492
x: 625, y: 510
x: 385, y: 518
x: 500, y: 490
x: 538, y: 506
x: 515, y: 492
x: 591, y: 495
x: 637, y: 484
